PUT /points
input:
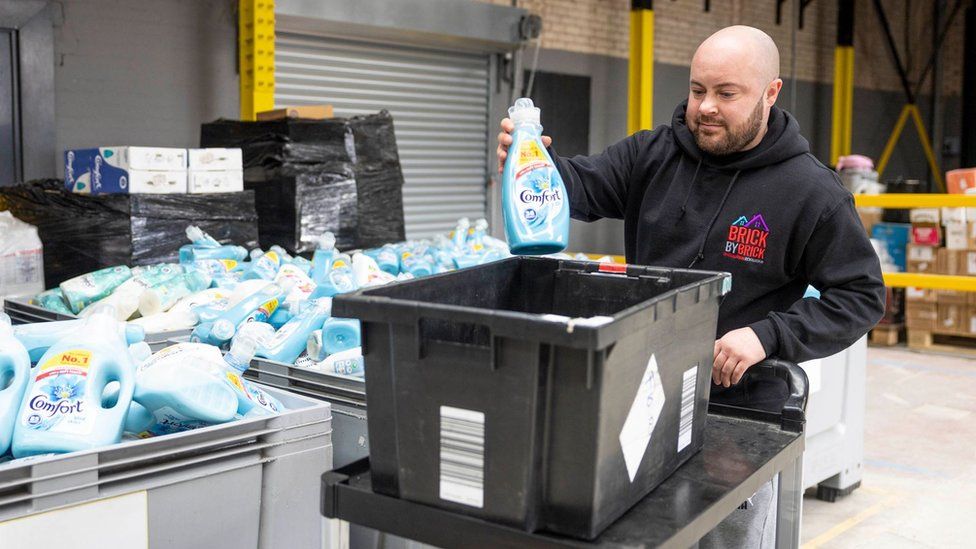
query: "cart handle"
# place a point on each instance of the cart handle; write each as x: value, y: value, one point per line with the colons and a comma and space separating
x: 793, y: 415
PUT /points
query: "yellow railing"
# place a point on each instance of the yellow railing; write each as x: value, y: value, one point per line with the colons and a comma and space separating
x: 908, y: 201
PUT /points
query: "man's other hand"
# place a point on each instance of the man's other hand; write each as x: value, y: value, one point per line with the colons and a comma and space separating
x: 735, y: 353
x: 505, y: 139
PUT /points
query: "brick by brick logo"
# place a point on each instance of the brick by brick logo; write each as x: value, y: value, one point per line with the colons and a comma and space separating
x: 747, y: 239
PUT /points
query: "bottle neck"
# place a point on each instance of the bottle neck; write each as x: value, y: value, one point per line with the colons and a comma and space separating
x: 530, y: 128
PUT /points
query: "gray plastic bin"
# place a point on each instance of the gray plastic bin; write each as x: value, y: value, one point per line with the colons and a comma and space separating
x: 21, y: 311
x: 248, y: 483
x: 347, y: 395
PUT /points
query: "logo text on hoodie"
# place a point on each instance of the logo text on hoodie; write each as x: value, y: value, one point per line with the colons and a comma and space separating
x: 747, y: 239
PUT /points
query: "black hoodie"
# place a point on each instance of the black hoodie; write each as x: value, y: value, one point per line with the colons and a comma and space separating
x: 773, y: 216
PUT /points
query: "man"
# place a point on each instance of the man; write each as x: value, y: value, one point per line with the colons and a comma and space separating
x: 731, y: 186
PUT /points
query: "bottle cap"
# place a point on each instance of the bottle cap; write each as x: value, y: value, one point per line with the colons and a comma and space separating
x: 524, y: 112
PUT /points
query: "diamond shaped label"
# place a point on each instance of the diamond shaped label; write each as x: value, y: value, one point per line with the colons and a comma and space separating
x: 644, y: 413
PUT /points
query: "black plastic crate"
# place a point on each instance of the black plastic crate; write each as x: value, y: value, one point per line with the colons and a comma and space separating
x: 473, y: 383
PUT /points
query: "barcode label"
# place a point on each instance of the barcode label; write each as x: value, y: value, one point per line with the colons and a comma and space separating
x: 462, y: 478
x: 688, y: 386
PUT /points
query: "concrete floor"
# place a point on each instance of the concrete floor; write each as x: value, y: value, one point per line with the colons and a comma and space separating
x: 919, y: 485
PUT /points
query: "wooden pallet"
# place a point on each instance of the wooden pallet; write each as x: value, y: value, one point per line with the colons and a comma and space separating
x: 886, y: 335
x: 942, y: 342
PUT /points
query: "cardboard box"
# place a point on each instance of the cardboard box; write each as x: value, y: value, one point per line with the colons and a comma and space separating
x: 928, y: 267
x: 125, y: 170
x: 914, y: 252
x: 956, y: 235
x: 919, y: 295
x: 77, y: 169
x: 971, y: 235
x: 965, y: 263
x: 921, y: 316
x: 895, y: 236
x: 922, y: 259
x: 869, y: 217
x: 148, y: 182
x: 952, y: 318
x: 925, y: 215
x: 961, y: 181
x: 214, y: 159
x: 230, y: 181
x: 954, y: 215
x: 942, y: 262
x: 951, y: 297
x: 969, y: 320
x: 929, y: 234
x: 310, y: 112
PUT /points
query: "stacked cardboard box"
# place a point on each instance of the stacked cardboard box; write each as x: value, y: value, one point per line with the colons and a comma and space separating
x: 152, y: 170
x: 942, y: 311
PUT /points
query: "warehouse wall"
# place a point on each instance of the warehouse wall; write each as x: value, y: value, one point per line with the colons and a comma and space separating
x: 590, y: 37
x: 143, y: 72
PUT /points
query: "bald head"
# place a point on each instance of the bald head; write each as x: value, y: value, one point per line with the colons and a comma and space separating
x: 746, y: 50
x: 734, y: 85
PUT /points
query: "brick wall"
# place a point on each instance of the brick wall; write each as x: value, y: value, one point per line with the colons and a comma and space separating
x: 602, y: 27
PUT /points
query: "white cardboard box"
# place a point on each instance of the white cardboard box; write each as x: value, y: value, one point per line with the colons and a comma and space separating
x: 924, y: 215
x: 157, y: 182
x: 230, y: 181
x: 215, y: 159
x: 956, y: 236
x: 953, y: 215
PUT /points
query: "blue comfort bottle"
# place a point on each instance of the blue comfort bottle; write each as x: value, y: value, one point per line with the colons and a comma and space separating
x: 259, y: 306
x: 15, y: 368
x: 340, y: 334
x: 534, y: 200
x: 38, y: 338
x: 289, y: 342
x: 322, y: 258
x: 62, y: 409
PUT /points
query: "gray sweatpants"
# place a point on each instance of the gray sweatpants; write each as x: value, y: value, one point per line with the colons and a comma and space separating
x: 754, y: 527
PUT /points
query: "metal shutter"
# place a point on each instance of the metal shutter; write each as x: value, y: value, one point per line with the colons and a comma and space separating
x: 439, y: 102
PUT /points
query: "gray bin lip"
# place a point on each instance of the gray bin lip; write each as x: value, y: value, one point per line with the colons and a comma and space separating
x: 79, y: 477
x: 349, y: 390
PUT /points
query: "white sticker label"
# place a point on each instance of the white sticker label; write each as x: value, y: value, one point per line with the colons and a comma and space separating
x: 462, y: 456
x: 644, y: 412
x: 689, y: 386
x: 921, y: 253
x: 83, y: 523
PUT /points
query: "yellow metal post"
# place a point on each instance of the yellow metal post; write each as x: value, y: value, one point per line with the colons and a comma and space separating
x: 923, y: 136
x: 843, y: 107
x: 640, y: 96
x: 256, y: 33
x: 893, y: 139
x: 910, y: 109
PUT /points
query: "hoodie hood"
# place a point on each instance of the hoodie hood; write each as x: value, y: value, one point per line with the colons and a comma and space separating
x: 781, y: 142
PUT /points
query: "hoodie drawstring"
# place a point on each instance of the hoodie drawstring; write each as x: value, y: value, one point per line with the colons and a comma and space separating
x: 691, y: 187
x: 701, y: 249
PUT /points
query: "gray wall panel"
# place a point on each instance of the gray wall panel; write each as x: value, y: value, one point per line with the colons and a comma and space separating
x: 143, y: 73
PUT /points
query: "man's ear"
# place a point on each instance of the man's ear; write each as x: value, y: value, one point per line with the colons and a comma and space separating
x: 772, y: 92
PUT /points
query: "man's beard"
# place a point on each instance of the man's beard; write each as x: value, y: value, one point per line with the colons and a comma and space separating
x: 735, y: 139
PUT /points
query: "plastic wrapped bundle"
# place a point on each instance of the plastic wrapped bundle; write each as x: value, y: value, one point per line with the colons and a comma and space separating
x: 310, y: 176
x: 83, y: 233
x: 379, y: 180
